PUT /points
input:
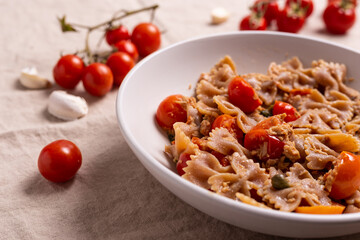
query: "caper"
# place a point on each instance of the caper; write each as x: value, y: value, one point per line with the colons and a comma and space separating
x: 171, y: 136
x: 265, y: 113
x: 279, y: 182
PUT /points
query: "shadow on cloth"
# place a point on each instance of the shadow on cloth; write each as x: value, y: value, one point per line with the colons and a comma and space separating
x: 123, y: 201
x: 38, y: 185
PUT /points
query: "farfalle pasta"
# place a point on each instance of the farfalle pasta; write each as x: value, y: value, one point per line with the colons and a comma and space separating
x: 283, y: 140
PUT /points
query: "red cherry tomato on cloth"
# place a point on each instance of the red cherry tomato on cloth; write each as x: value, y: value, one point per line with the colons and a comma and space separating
x: 339, y: 17
x: 228, y: 122
x: 182, y: 163
x: 283, y: 107
x: 171, y: 110
x: 68, y: 70
x: 120, y: 64
x: 97, y: 79
x: 290, y: 20
x: 128, y: 47
x: 346, y: 176
x: 147, y: 38
x: 59, y: 161
x: 251, y: 22
x: 115, y: 35
x: 243, y: 95
x: 258, y: 138
x: 307, y: 5
x: 268, y: 8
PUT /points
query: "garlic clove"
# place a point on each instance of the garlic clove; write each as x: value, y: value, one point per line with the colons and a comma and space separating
x: 66, y: 106
x: 29, y: 78
x: 219, y: 15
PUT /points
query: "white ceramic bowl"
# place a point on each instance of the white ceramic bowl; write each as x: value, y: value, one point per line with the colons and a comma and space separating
x: 172, y: 70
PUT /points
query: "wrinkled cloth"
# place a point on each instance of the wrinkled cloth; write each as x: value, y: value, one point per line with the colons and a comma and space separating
x: 113, y: 196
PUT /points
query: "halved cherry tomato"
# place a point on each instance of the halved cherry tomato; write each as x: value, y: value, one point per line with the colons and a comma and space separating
x: 347, y: 176
x: 128, y: 47
x: 243, y: 95
x: 253, y: 22
x: 290, y: 20
x: 268, y: 8
x: 171, y: 110
x: 228, y: 122
x: 307, y: 5
x: 283, y: 107
x: 115, y: 35
x: 182, y: 163
x: 258, y: 138
x: 339, y: 16
x: 224, y: 161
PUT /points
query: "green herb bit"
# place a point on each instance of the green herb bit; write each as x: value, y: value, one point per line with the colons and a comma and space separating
x: 268, y: 111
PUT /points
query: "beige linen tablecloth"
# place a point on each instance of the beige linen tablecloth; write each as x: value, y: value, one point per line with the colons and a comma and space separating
x: 113, y: 196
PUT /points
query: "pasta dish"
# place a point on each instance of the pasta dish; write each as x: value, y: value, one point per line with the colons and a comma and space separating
x: 284, y: 140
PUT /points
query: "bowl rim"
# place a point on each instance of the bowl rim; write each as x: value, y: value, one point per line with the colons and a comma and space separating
x: 136, y: 147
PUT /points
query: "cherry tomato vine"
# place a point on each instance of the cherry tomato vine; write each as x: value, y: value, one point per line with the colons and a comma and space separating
x: 103, y: 69
x: 338, y: 16
x: 98, y: 71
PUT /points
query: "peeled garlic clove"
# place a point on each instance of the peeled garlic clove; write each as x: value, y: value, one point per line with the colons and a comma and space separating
x: 66, y: 106
x: 29, y: 78
x: 219, y: 15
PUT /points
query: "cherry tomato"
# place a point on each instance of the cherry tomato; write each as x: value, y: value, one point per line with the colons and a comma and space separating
x: 201, y: 143
x: 115, y: 35
x: 307, y: 5
x: 228, y: 122
x: 347, y: 179
x: 224, y: 161
x: 97, y: 79
x: 351, y: 1
x: 243, y: 95
x: 258, y: 138
x: 147, y: 38
x: 283, y: 107
x: 290, y: 20
x: 120, y: 64
x: 251, y: 22
x: 59, y: 161
x: 182, y: 163
x: 268, y: 8
x: 171, y: 110
x: 339, y: 17
x: 128, y: 47
x: 68, y: 70
x: 268, y: 123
